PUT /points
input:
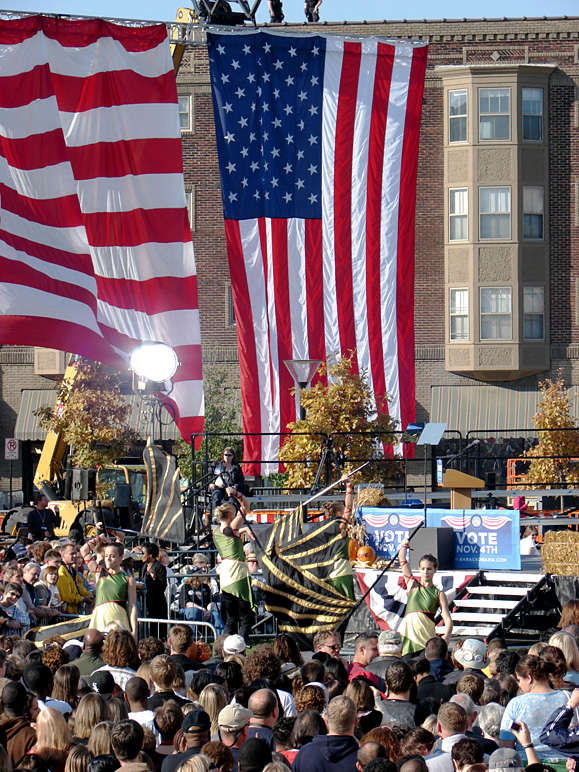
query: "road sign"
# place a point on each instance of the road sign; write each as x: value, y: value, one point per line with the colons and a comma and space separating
x: 11, y: 449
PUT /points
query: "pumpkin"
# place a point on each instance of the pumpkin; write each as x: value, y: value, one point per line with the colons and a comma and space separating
x: 192, y: 651
x: 203, y: 651
x: 366, y: 555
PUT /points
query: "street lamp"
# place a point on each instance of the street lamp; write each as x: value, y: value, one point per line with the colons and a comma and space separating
x: 302, y: 371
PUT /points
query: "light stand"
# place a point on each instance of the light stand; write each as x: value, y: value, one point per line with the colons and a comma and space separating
x: 153, y: 364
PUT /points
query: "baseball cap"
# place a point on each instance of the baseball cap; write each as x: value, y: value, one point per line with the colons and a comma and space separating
x: 472, y: 654
x: 389, y: 637
x: 103, y: 683
x: 234, y: 644
x: 234, y: 717
x: 505, y: 758
x: 196, y: 719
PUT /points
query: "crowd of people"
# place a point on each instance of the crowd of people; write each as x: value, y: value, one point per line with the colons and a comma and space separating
x: 109, y: 701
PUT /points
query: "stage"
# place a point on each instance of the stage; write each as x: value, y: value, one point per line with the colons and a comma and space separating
x: 483, y: 603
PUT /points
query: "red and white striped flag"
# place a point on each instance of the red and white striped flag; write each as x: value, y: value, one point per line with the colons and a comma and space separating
x: 318, y: 146
x: 95, y: 244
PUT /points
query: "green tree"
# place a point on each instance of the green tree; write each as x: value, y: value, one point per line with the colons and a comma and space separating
x: 221, y: 415
x: 562, y: 445
x: 92, y: 415
x: 344, y: 410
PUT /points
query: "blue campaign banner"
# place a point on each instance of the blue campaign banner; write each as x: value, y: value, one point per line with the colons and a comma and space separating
x: 387, y: 528
x: 483, y: 538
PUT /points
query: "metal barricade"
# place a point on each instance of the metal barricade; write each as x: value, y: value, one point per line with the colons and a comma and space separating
x: 172, y: 622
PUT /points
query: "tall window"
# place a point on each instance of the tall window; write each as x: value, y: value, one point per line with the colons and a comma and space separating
x: 459, y: 314
x: 185, y: 112
x: 495, y: 213
x: 534, y: 312
x: 495, y: 313
x: 458, y: 213
x: 494, y: 113
x: 533, y: 212
x: 533, y: 114
x: 457, y: 116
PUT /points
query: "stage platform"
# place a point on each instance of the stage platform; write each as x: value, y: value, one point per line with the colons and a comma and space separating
x: 519, y: 604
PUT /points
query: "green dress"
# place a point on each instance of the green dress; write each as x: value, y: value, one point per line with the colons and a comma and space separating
x: 111, y: 601
x: 342, y: 576
x: 418, y: 624
x: 234, y: 576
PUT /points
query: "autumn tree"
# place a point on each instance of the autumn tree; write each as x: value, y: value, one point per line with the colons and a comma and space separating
x: 92, y: 415
x: 221, y: 416
x: 345, y: 410
x: 553, y: 459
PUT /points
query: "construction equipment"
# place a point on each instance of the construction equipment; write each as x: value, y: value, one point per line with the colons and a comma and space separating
x: 118, y: 485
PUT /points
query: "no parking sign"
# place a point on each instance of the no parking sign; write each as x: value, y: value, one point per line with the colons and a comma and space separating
x: 11, y: 449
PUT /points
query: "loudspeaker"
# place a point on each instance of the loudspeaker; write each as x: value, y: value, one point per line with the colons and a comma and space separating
x: 122, y: 495
x: 83, y: 484
x: 434, y: 541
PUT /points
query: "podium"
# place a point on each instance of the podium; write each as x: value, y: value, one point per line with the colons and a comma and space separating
x: 461, y: 486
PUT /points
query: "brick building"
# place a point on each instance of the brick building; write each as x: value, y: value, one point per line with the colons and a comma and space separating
x: 497, y: 221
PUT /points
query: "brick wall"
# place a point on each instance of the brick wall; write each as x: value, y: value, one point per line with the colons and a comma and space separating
x: 16, y: 374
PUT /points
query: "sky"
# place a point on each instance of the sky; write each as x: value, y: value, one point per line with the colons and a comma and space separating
x: 331, y: 10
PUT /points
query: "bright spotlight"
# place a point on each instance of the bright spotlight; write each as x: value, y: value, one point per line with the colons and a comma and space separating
x: 154, y: 361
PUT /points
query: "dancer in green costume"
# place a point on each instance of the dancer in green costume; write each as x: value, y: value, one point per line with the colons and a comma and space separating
x: 116, y: 591
x: 342, y: 574
x: 234, y: 577
x: 423, y: 601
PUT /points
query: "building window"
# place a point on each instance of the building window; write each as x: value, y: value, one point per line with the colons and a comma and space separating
x: 495, y: 313
x: 190, y: 201
x: 185, y: 112
x: 459, y: 314
x: 534, y: 312
x: 457, y: 116
x: 458, y: 213
x: 494, y: 114
x: 533, y: 114
x: 495, y: 213
x: 230, y: 308
x: 533, y: 212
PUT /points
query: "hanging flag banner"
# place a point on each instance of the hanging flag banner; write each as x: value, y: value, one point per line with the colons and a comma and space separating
x: 317, y: 137
x: 483, y: 538
x: 95, y: 244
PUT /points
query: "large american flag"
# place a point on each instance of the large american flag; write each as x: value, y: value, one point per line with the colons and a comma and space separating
x: 318, y: 143
x: 95, y: 244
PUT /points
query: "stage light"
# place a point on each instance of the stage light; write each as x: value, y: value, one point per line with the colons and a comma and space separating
x: 154, y: 361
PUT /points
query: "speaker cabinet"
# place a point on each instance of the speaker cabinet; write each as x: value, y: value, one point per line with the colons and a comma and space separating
x: 83, y: 484
x: 434, y: 541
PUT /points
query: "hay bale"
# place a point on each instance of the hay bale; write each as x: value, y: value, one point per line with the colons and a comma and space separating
x: 371, y: 496
x: 560, y: 553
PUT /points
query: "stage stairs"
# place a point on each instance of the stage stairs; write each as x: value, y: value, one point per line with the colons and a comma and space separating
x: 515, y: 605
